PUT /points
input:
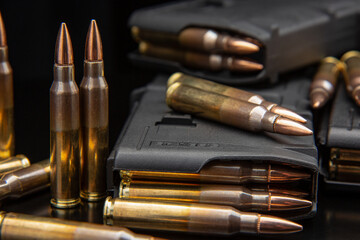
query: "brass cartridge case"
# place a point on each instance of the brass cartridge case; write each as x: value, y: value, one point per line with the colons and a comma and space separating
x: 64, y: 127
x: 324, y: 82
x: 94, y: 97
x: 352, y: 74
x: 346, y: 173
x: 225, y: 173
x: 344, y: 165
x: 25, y: 181
x: 7, y: 131
x: 16, y: 226
x: 212, y: 62
x: 230, y: 195
x: 191, y: 217
x: 230, y: 111
x: 236, y: 93
x: 12, y: 164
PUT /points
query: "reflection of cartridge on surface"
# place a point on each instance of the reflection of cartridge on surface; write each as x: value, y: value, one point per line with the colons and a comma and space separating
x: 16, y: 226
x: 230, y: 111
x: 12, y: 164
x: 191, y: 217
x: 236, y: 93
x: 225, y: 172
x: 7, y: 132
x: 212, y: 62
x: 64, y: 126
x: 94, y: 99
x: 25, y: 181
x: 352, y: 77
x: 201, y: 39
x: 325, y: 80
x: 231, y: 195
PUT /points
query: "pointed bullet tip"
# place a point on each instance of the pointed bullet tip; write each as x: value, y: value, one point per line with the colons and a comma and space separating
x: 356, y: 95
x: 239, y: 46
x: 318, y: 99
x: 281, y: 202
x: 63, y: 48
x: 279, y: 173
x: 288, y: 114
x: 244, y: 65
x: 93, y: 46
x: 289, y: 127
x: 275, y: 225
x: 3, y: 42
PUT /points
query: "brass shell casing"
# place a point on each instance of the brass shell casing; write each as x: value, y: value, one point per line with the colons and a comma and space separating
x: 325, y: 79
x: 7, y: 131
x: 174, y: 216
x: 16, y: 226
x: 221, y: 89
x: 352, y: 76
x: 12, y: 164
x: 25, y: 181
x: 94, y: 99
x: 220, y: 108
x: 64, y: 138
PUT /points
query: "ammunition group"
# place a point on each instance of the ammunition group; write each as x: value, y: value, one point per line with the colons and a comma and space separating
x: 228, y: 190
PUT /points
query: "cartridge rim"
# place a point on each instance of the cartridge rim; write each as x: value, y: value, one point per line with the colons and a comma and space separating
x: 174, y: 78
x: 108, y: 211
x: 92, y: 196
x: 68, y: 203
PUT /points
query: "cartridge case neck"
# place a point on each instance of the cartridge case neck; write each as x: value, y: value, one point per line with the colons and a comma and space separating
x: 4, y: 55
x: 64, y: 73
x: 93, y: 69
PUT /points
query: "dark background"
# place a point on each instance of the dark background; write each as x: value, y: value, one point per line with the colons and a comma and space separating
x: 32, y: 27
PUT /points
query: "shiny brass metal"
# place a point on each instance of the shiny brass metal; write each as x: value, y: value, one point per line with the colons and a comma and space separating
x: 230, y: 111
x: 352, y: 76
x: 94, y: 99
x: 346, y: 173
x: 236, y: 93
x: 74, y: 214
x: 12, y: 164
x: 344, y: 165
x: 225, y: 173
x: 7, y: 132
x: 324, y: 82
x: 25, y: 181
x: 191, y: 217
x: 64, y: 126
x: 16, y: 226
x: 201, y: 39
x: 287, y: 191
x: 230, y: 195
x: 212, y: 62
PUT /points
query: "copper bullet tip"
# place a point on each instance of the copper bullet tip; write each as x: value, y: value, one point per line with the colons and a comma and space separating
x: 93, y: 47
x: 283, y: 173
x: 63, y: 48
x: 244, y: 65
x: 288, y: 114
x: 318, y: 99
x: 240, y: 46
x: 3, y: 42
x: 289, y: 127
x: 275, y: 225
x: 279, y: 203
x: 356, y: 95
